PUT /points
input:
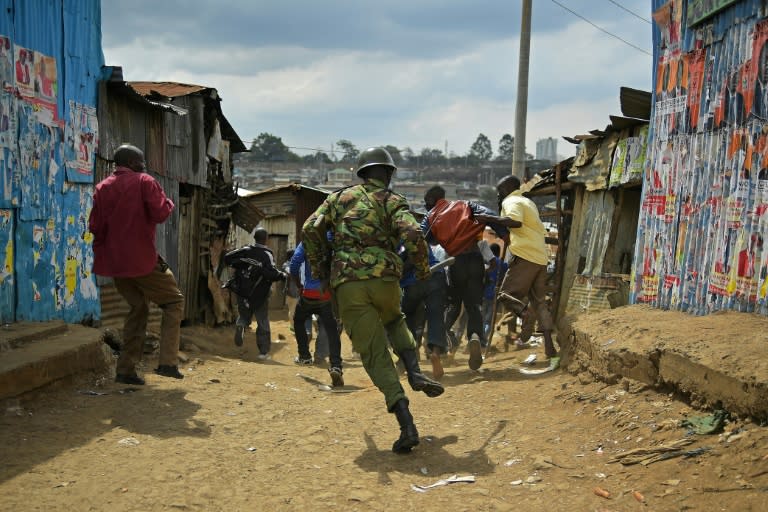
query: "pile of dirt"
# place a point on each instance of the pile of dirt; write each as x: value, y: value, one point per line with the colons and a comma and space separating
x: 717, y: 361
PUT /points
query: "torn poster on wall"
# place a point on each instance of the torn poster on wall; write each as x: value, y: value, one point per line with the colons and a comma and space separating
x: 37, y: 144
x: 78, y: 295
x: 7, y: 284
x: 36, y: 81
x: 37, y: 297
x: 46, y: 81
x: 629, y: 158
x: 24, y: 60
x: 10, y: 178
x: 81, y: 141
x: 6, y: 64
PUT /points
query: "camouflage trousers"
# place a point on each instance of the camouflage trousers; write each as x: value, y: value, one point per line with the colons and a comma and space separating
x: 370, y: 312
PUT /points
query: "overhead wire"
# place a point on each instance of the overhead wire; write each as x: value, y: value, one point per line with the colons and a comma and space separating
x: 601, y: 29
x: 316, y: 150
x: 617, y: 4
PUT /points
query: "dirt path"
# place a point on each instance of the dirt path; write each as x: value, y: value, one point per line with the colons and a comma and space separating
x: 238, y: 434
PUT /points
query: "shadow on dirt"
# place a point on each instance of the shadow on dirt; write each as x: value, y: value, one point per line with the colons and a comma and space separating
x: 35, y: 430
x: 431, y: 454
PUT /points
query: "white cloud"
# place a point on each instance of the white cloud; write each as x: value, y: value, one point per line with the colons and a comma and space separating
x: 312, y: 97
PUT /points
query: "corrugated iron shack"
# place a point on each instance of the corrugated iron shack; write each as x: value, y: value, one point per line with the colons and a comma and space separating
x: 188, y: 144
x: 285, y: 208
x: 50, y: 65
x: 593, y: 200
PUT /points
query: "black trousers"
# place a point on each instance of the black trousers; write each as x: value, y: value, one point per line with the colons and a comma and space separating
x: 465, y: 286
x: 305, y: 308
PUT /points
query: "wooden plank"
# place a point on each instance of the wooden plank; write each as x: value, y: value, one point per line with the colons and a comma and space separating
x: 551, y: 189
x: 572, y: 253
x: 559, y: 257
x: 617, y: 210
x: 559, y: 214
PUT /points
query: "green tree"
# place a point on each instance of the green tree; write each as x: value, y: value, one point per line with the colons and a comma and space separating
x: 350, y: 152
x: 267, y: 148
x: 408, y: 156
x: 431, y: 156
x: 506, y: 147
x: 481, y: 148
x: 395, y: 154
x: 318, y: 158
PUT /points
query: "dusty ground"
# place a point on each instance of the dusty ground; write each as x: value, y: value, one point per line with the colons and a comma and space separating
x: 241, y: 435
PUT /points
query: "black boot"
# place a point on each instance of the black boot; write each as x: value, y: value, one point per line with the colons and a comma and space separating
x: 409, y: 436
x: 417, y: 380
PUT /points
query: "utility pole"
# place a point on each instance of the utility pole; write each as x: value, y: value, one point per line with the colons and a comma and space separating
x: 521, y: 110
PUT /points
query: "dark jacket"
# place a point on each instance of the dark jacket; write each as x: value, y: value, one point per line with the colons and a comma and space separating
x: 262, y: 278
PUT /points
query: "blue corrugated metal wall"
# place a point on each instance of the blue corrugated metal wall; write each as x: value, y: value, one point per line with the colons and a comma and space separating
x: 701, y: 243
x: 48, y: 135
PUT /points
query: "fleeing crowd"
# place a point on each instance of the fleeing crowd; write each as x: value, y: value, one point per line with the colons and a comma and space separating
x: 364, y: 265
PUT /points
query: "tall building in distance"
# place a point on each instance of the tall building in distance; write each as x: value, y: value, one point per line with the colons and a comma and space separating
x: 546, y: 149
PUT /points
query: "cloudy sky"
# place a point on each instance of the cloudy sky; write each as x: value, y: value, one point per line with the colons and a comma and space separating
x: 410, y: 73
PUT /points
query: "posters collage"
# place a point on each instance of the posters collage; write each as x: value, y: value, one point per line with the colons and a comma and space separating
x: 45, y: 150
x: 704, y: 214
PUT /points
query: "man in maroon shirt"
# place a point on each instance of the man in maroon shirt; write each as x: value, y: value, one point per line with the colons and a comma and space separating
x: 127, y: 206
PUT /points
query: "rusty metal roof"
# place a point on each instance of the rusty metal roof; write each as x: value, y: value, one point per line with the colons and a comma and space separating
x: 247, y: 215
x: 118, y: 85
x: 159, y: 90
x: 167, y: 89
x: 293, y: 187
x: 635, y: 103
x: 626, y: 122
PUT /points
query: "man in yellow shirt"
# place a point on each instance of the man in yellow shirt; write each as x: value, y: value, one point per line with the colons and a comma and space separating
x: 525, y: 286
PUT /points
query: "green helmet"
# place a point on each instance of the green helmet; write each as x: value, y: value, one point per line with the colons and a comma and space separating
x: 374, y: 156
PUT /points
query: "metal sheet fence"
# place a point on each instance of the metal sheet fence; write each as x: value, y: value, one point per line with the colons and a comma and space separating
x: 50, y: 64
x: 700, y: 241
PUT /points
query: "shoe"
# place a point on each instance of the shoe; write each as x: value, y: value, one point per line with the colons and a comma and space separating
x: 554, y: 363
x: 239, y: 330
x: 303, y: 361
x: 417, y: 380
x: 167, y: 370
x: 337, y: 380
x: 475, y: 353
x: 129, y: 378
x: 263, y: 357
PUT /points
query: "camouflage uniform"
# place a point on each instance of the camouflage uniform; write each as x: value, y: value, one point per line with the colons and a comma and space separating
x: 368, y: 222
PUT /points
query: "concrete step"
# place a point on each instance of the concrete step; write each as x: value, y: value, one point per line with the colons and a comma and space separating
x: 50, y: 353
x: 17, y: 334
